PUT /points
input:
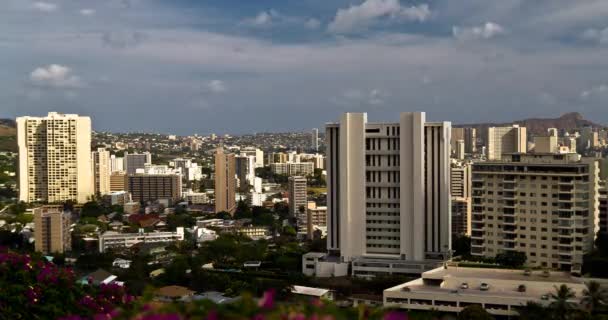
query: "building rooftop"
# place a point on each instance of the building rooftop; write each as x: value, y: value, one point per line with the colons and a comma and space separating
x: 490, y: 282
x: 174, y: 292
x: 309, y: 291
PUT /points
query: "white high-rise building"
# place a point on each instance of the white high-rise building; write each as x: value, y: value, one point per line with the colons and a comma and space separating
x: 388, y: 193
x: 54, y: 158
x: 255, y: 152
x: 314, y: 139
x: 117, y: 164
x: 502, y: 140
x: 101, y: 171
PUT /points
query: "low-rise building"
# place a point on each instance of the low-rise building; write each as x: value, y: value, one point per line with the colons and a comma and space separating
x: 499, y: 291
x: 322, y: 265
x: 117, y: 198
x: 310, y: 292
x: 112, y: 239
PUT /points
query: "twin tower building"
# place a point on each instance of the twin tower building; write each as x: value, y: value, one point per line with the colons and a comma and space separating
x: 388, y: 195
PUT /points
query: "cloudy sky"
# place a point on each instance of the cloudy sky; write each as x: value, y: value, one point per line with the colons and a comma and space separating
x: 238, y: 66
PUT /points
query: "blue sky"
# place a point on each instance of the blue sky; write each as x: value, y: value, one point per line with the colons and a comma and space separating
x: 241, y: 66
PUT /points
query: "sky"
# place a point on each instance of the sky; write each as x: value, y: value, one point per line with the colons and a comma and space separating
x: 245, y: 66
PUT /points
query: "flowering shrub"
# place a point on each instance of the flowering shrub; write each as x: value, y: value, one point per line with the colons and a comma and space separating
x: 32, y: 288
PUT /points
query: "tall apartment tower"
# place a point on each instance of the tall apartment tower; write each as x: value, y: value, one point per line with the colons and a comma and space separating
x: 314, y: 139
x: 468, y: 135
x: 388, y: 192
x: 297, y: 197
x: 545, y: 205
x: 225, y: 181
x: 603, y: 207
x: 101, y: 171
x: 54, y: 158
x: 503, y: 140
x: 245, y: 171
x: 134, y: 161
x: 52, y: 230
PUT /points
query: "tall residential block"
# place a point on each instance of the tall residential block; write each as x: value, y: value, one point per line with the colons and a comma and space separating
x: 388, y: 193
x: 101, y: 171
x: 54, y: 158
x: 225, y: 181
x: 255, y: 152
x: 52, y: 230
x: 117, y: 163
x: 603, y: 207
x: 118, y: 181
x: 151, y: 187
x: 298, y: 201
x: 314, y: 139
x: 504, y: 140
x: 245, y: 171
x: 134, y: 161
x: 544, y: 205
x: 468, y: 135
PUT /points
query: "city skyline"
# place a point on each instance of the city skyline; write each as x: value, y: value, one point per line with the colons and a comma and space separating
x: 187, y: 67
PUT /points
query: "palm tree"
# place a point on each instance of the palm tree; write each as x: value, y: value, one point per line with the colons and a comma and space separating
x: 561, y: 305
x: 594, y: 296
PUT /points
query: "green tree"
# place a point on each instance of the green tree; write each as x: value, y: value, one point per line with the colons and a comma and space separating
x: 594, y: 297
x: 561, y: 306
x: 511, y: 259
x: 533, y: 311
x: 474, y: 312
x: 462, y: 246
x: 243, y: 210
x: 92, y: 209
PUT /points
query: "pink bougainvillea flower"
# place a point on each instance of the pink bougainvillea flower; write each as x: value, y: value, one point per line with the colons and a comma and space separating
x: 267, y: 301
x: 395, y: 315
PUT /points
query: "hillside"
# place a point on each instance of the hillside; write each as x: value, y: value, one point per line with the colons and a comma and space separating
x: 8, y: 135
x: 538, y: 126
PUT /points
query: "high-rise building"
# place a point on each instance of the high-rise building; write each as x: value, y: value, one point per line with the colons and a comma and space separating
x: 118, y: 181
x: 544, y: 205
x: 245, y: 171
x: 117, y: 164
x: 314, y: 139
x: 54, y: 158
x: 298, y: 200
x: 468, y: 135
x: 460, y: 180
x: 388, y: 193
x: 460, y: 150
x: 256, y: 153
x: 101, y: 171
x: 503, y: 140
x: 316, y: 216
x: 134, y: 161
x: 461, y: 216
x: 52, y: 230
x: 603, y: 207
x: 151, y: 187
x: 225, y: 181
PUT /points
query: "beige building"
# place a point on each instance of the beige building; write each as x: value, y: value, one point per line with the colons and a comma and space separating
x: 52, y: 230
x: 502, y: 140
x: 461, y: 216
x: 118, y: 181
x: 293, y: 168
x: 315, y: 217
x: 296, y: 187
x: 388, y: 195
x: 101, y: 171
x: 545, y: 205
x: 54, y: 158
x: 546, y: 144
x: 225, y: 181
x: 499, y: 291
x: 468, y: 136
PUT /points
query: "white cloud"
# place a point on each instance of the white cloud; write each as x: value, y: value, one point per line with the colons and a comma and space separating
x: 361, y: 16
x: 596, y: 35
x: 356, y: 97
x: 55, y: 76
x: 263, y: 19
x: 87, y: 12
x: 217, y: 86
x: 487, y: 31
x: 312, y: 23
x: 44, y: 6
x: 594, y: 91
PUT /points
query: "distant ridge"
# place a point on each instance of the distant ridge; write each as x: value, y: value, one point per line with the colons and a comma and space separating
x: 538, y: 126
